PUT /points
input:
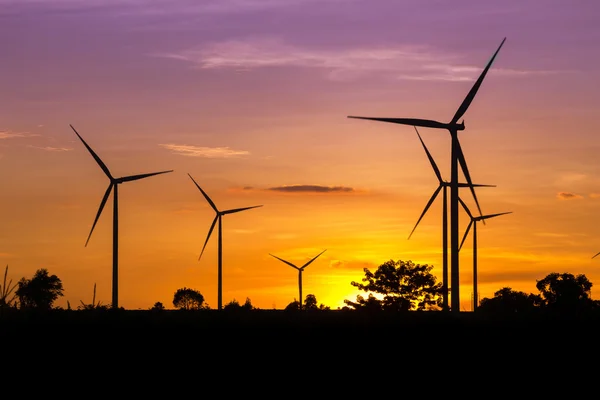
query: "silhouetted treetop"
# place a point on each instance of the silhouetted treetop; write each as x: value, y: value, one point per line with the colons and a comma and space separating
x: 404, y: 285
x: 565, y: 292
x: 188, y: 299
x: 39, y: 292
x: 507, y: 300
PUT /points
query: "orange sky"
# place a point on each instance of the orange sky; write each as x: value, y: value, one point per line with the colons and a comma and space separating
x: 250, y: 96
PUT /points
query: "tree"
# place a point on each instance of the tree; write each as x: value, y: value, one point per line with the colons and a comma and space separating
x: 235, y: 305
x: 507, y: 300
x: 158, y: 306
x: 310, y: 303
x: 372, y: 303
x: 565, y: 292
x: 404, y: 285
x: 39, y: 292
x: 293, y: 306
x: 188, y: 299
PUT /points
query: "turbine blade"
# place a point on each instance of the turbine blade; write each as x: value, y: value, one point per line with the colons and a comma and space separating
x: 431, y: 199
x: 238, y: 210
x: 208, y: 236
x: 431, y: 160
x: 471, y: 95
x: 492, y: 216
x: 141, y: 176
x: 465, y: 169
x: 464, y: 206
x: 596, y: 255
x: 427, y: 123
x: 287, y: 262
x: 98, y: 160
x: 465, y: 236
x: 315, y: 257
x: 102, y: 203
x: 205, y: 195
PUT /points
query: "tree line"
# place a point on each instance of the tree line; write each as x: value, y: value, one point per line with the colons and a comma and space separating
x: 397, y: 286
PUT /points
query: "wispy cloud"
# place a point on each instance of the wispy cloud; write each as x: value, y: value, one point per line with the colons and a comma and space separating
x: 207, y: 152
x: 153, y: 7
x: 311, y: 189
x: 595, y: 195
x: 568, y: 196
x: 11, y: 135
x: 50, y: 148
x: 400, y: 61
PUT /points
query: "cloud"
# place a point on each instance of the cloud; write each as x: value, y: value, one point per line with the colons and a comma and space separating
x: 568, y: 196
x: 595, y: 195
x: 10, y: 135
x: 207, y: 152
x: 49, y: 148
x: 154, y: 8
x: 409, y: 62
x: 351, y: 265
x: 311, y: 189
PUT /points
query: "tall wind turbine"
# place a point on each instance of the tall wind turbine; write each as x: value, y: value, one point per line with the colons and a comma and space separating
x: 442, y: 185
x: 456, y: 157
x: 220, y: 248
x: 300, y: 270
x: 473, y: 223
x: 114, y: 182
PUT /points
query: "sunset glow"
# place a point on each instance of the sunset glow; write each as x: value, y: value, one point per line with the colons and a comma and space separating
x: 251, y: 98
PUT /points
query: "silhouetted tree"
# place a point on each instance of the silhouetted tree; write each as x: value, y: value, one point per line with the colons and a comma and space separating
x: 158, y: 306
x: 39, y: 292
x: 404, y: 285
x: 293, y: 306
x: 565, y: 292
x: 371, y: 303
x: 507, y: 300
x: 235, y: 305
x: 188, y: 299
x: 310, y: 303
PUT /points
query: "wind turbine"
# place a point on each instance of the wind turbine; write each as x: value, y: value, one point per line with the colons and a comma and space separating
x: 457, y: 157
x: 442, y: 185
x: 300, y: 270
x: 220, y: 248
x: 114, y: 182
x: 473, y: 223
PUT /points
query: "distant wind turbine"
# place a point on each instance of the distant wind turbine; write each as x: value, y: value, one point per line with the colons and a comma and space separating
x: 595, y: 255
x: 220, y: 247
x: 114, y: 182
x: 300, y: 270
x: 456, y: 157
x: 442, y: 185
x: 473, y: 223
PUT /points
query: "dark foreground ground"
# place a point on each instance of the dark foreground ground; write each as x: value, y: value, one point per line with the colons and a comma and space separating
x: 243, y: 352
x: 293, y: 328
x: 264, y: 343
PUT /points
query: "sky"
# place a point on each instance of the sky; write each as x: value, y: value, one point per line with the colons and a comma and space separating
x: 251, y: 98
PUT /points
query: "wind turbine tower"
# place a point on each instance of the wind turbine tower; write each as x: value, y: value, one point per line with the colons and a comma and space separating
x: 218, y: 217
x: 456, y: 157
x: 443, y: 185
x: 300, y: 270
x: 473, y: 223
x: 114, y: 182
